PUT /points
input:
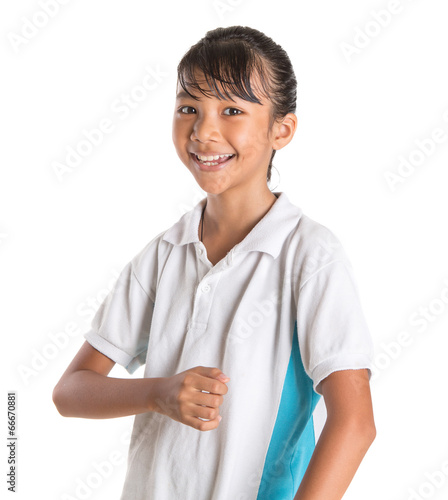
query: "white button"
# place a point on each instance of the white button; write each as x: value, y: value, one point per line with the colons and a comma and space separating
x: 205, y: 288
x: 199, y: 251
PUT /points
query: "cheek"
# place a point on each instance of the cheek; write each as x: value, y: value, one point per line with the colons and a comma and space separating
x: 177, y: 127
x: 251, y: 140
x: 180, y: 133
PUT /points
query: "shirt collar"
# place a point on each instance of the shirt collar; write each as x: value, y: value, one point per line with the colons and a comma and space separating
x: 268, y: 235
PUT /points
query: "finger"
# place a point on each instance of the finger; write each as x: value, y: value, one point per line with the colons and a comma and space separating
x: 212, y: 372
x: 207, y: 399
x: 210, y: 385
x: 205, y: 412
x: 201, y: 425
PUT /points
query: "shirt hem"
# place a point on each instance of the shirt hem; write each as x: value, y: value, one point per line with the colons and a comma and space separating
x: 344, y: 361
x: 129, y: 362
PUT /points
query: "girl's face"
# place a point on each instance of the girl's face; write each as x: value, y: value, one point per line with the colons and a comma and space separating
x: 210, y: 128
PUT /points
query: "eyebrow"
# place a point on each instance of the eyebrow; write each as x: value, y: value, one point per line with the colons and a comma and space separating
x: 182, y: 94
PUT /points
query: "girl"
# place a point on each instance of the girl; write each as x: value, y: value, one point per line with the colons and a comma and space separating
x: 245, y: 312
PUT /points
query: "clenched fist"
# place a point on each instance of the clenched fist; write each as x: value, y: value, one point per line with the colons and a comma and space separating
x: 191, y: 395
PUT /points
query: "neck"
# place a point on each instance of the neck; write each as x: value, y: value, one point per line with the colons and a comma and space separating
x: 230, y: 214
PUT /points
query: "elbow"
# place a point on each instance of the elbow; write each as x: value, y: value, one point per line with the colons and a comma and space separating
x: 372, y: 432
x: 365, y: 431
x: 361, y: 432
x: 57, y: 400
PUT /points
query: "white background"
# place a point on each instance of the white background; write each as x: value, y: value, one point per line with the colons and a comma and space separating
x: 62, y: 243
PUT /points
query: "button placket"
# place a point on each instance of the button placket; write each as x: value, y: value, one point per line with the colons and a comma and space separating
x: 201, y: 253
x: 208, y: 279
x: 203, y: 299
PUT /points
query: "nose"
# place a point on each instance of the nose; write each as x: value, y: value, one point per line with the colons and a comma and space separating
x: 205, y: 129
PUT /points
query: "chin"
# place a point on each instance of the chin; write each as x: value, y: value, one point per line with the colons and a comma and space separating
x: 212, y: 186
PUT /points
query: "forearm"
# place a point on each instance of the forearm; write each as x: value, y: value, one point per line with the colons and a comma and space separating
x: 87, y: 394
x: 338, y: 453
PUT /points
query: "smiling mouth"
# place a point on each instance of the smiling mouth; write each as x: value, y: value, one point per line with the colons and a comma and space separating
x: 212, y: 161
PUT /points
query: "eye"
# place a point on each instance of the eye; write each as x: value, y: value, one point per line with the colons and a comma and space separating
x: 232, y: 112
x: 187, y: 110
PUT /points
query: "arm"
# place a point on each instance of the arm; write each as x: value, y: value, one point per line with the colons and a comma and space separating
x: 347, y: 435
x: 86, y: 391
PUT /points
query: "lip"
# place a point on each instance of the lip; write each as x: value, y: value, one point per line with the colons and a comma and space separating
x: 210, y: 168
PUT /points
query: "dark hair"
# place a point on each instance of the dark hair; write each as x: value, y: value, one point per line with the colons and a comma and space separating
x: 230, y: 56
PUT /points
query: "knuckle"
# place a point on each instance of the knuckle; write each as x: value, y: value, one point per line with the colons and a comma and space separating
x: 202, y: 426
x: 180, y: 396
x: 215, y: 387
x: 180, y: 408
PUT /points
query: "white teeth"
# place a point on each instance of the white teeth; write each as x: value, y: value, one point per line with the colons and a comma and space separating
x: 210, y: 158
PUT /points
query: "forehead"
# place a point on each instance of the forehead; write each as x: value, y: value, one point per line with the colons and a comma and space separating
x: 207, y: 87
x: 211, y: 94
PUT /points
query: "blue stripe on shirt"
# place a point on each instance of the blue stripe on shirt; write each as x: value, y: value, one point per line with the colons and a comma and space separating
x: 292, y: 441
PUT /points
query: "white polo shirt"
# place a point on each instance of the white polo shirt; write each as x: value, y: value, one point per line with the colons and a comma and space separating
x: 277, y: 315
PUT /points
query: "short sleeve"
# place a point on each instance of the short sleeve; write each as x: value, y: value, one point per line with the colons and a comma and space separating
x: 120, y: 328
x: 331, y: 327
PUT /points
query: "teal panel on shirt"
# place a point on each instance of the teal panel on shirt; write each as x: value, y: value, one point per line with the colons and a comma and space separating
x: 292, y: 441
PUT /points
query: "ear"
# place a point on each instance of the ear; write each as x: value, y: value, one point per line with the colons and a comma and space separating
x: 283, y: 131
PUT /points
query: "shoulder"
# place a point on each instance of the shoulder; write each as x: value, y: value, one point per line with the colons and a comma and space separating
x: 314, y: 247
x: 149, y: 251
x: 144, y: 266
x: 148, y: 262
